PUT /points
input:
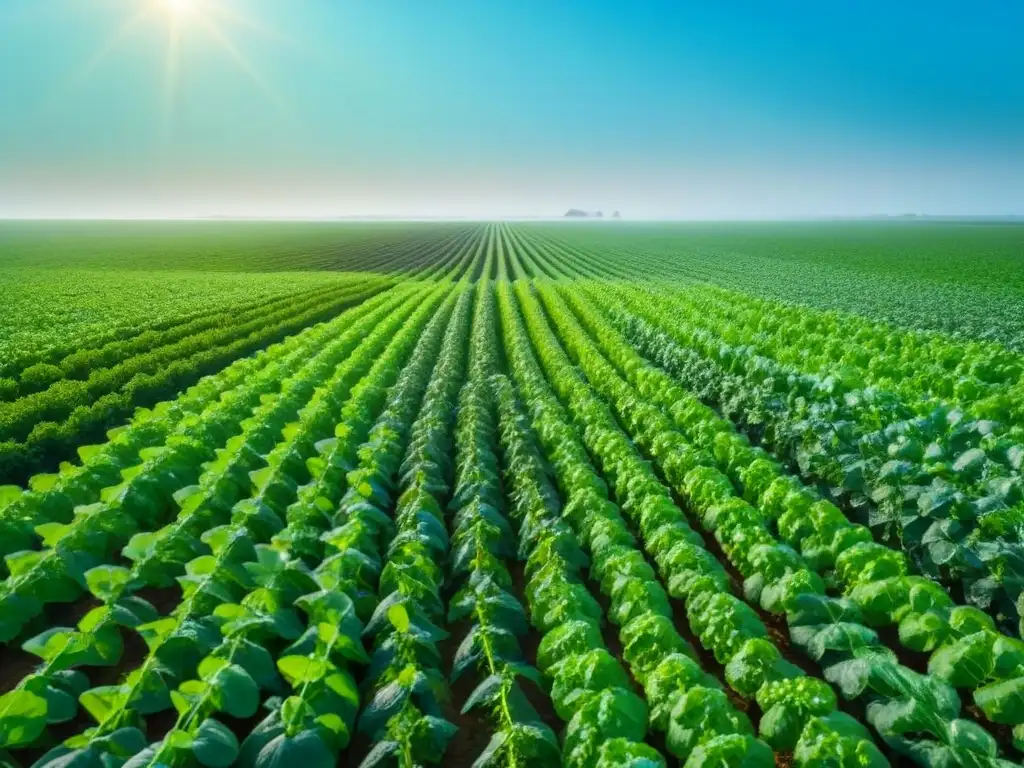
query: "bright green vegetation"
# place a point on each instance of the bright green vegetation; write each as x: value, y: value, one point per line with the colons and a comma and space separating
x: 221, y: 245
x: 507, y: 503
x: 961, y: 278
x: 72, y: 394
x: 54, y: 314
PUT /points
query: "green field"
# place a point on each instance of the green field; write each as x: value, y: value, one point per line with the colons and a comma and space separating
x: 587, y: 494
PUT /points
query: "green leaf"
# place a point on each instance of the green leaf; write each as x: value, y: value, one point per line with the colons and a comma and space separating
x: 52, y: 643
x: 430, y: 737
x: 923, y: 632
x: 234, y: 690
x: 156, y: 632
x: 883, y: 601
x: 668, y: 681
x: 901, y: 716
x: 732, y: 750
x: 188, y: 695
x: 837, y: 735
x: 534, y: 743
x: 967, y: 620
x: 1009, y: 656
x: 399, y: 617
x: 612, y: 713
x: 699, y: 714
x: 806, y: 609
x: 100, y: 702
x: 306, y: 749
x: 843, y: 637
x: 143, y: 545
x: 301, y: 669
x: 21, y: 563
x: 757, y: 662
x: 125, y: 742
x: 22, y: 718
x: 781, y: 726
x: 478, y: 642
x: 623, y: 753
x: 1002, y: 702
x: 188, y: 498
x: 421, y: 624
x: 970, y: 463
x: 42, y: 483
x: 106, y: 582
x: 178, y: 739
x: 383, y: 753
x: 61, y: 706
x: 595, y: 670
x: 384, y: 704
x: 965, y: 663
x: 142, y: 759
x: 261, y: 478
x: 970, y: 736
x: 214, y: 745
x: 485, y: 693
x: 341, y: 684
x: 647, y: 640
x: 254, y: 659
x: 9, y: 494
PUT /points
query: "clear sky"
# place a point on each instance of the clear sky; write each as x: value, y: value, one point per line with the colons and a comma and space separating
x: 482, y: 108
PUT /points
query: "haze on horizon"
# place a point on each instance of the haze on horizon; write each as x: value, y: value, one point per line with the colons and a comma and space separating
x: 321, y: 108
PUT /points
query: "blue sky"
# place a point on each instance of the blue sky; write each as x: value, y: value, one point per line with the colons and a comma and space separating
x: 660, y: 109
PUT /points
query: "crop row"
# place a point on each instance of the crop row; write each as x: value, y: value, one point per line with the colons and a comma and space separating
x: 945, y: 488
x: 55, y: 313
x: 469, y: 511
x: 795, y: 709
x: 80, y: 363
x: 968, y: 652
x: 962, y: 282
x: 44, y: 428
x: 216, y: 549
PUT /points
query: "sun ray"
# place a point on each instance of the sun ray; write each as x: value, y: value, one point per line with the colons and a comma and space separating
x: 172, y: 67
x: 179, y: 7
x: 235, y: 18
x: 120, y: 35
x: 181, y: 20
x: 213, y: 29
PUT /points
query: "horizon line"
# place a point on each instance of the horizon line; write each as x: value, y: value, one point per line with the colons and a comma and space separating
x: 994, y: 217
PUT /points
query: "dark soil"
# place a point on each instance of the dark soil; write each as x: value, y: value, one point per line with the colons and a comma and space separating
x: 529, y: 644
x: 15, y: 663
x: 475, y: 727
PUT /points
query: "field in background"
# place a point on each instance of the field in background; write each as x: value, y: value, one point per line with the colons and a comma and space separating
x: 593, y: 494
x: 218, y: 245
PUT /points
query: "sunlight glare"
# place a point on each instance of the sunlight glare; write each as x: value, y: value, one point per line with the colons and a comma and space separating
x: 180, y: 7
x: 180, y: 22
